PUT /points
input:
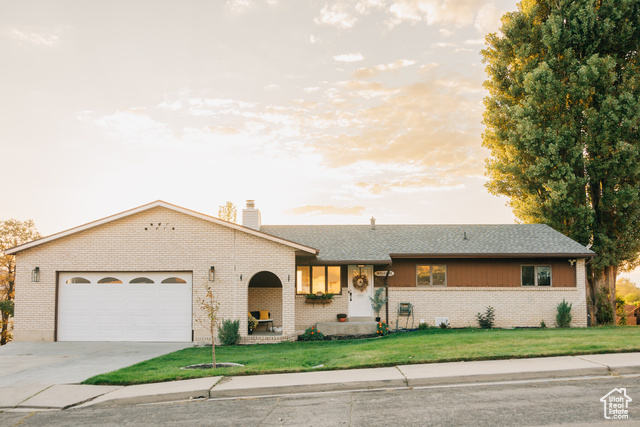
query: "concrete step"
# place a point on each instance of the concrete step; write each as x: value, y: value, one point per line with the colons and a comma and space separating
x: 348, y: 328
x: 360, y: 319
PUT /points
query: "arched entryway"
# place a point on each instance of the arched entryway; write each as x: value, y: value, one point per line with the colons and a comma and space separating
x: 265, y: 294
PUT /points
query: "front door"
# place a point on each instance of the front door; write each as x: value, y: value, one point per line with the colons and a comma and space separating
x: 360, y: 278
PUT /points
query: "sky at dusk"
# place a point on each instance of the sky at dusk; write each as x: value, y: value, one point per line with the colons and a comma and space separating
x: 324, y: 112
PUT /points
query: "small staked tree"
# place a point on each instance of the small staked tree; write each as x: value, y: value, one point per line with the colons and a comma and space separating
x: 12, y: 233
x: 211, y: 307
x: 228, y: 212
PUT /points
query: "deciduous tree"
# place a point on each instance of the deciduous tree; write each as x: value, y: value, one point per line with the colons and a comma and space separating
x: 628, y: 290
x: 563, y: 124
x: 210, y: 306
x: 228, y: 212
x: 12, y: 233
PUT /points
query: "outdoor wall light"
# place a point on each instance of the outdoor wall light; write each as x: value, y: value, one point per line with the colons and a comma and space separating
x: 212, y: 274
x: 35, y: 274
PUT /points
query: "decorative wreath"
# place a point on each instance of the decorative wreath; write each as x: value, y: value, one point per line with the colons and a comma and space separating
x: 360, y: 282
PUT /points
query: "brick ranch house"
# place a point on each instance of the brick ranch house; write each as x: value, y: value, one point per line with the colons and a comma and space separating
x: 138, y: 275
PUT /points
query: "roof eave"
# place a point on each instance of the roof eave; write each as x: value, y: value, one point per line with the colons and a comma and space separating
x: 493, y: 255
x: 158, y: 203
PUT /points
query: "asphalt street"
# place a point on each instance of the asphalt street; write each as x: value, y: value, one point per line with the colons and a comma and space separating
x: 522, y: 403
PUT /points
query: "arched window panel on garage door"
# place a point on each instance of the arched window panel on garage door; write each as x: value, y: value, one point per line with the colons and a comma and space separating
x: 141, y: 280
x: 77, y: 280
x: 109, y: 280
x: 174, y: 280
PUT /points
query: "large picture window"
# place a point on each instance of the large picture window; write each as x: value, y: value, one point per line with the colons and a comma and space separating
x: 318, y: 278
x: 536, y: 275
x: 431, y: 275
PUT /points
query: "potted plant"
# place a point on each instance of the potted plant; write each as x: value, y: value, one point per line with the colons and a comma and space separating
x: 342, y: 317
x: 253, y: 323
x: 377, y: 302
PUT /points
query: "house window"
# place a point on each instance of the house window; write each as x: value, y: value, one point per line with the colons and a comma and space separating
x: 303, y: 280
x: 536, y: 275
x: 318, y: 278
x: 431, y: 275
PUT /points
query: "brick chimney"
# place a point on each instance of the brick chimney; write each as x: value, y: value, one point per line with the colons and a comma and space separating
x: 251, y: 216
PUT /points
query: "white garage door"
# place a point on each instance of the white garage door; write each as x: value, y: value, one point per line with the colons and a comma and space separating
x: 115, y: 306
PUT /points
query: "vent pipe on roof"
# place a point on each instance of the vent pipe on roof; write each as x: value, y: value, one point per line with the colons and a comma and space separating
x: 251, y: 216
x: 373, y: 223
x: 465, y: 236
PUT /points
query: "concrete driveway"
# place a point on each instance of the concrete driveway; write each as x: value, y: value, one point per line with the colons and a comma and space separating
x: 43, y: 364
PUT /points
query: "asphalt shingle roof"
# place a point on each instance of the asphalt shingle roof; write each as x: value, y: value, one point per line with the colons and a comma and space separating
x: 361, y: 243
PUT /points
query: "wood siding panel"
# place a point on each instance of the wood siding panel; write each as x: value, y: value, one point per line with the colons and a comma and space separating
x: 482, y: 272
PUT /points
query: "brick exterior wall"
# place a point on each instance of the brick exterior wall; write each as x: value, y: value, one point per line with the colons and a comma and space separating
x: 307, y: 315
x: 524, y: 306
x: 181, y: 243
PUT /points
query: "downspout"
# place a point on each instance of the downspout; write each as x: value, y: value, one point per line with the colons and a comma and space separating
x: 386, y: 290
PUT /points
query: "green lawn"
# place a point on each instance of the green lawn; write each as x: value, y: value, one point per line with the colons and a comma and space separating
x: 434, y: 345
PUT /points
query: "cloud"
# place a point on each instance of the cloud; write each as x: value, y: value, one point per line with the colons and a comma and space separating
x: 475, y: 42
x: 34, y: 38
x: 363, y: 73
x: 443, y: 45
x: 488, y: 19
x: 349, y: 57
x: 216, y: 106
x: 238, y: 7
x: 428, y: 67
x: 336, y: 15
x: 315, y: 210
x: 133, y: 126
x: 174, y: 106
x: 366, y: 6
x: 444, y: 12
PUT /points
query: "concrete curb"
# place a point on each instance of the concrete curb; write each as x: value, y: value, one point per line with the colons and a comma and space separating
x: 617, y: 363
x: 62, y: 396
x: 198, y: 388
x: 351, y: 379
x: 499, y: 370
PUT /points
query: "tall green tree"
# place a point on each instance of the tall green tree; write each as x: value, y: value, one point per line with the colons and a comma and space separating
x: 228, y: 212
x: 12, y: 233
x: 563, y: 124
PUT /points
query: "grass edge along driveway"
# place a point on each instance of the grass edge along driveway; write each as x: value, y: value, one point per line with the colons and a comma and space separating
x: 431, y: 346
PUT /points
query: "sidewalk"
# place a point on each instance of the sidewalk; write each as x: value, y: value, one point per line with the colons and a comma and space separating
x: 64, y: 396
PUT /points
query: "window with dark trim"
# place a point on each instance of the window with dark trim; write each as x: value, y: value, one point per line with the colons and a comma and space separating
x: 431, y: 275
x: 536, y: 275
x: 318, y: 278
